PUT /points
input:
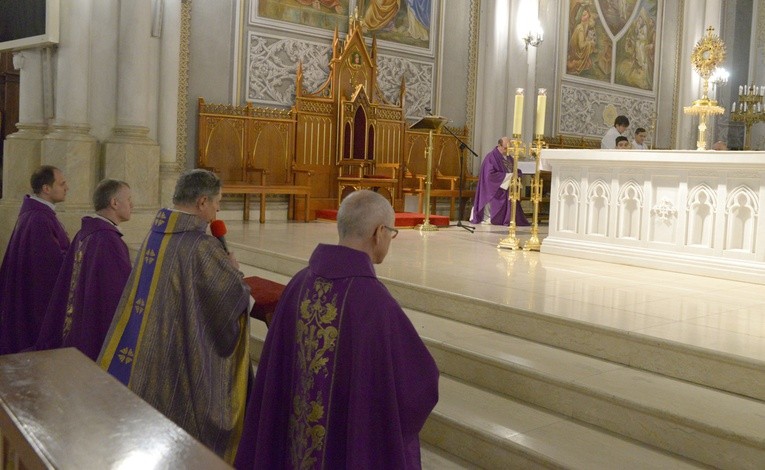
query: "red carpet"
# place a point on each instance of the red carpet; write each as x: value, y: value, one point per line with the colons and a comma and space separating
x: 403, y: 219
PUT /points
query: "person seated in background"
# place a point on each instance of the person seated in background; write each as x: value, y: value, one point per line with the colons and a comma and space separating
x: 32, y: 261
x: 491, y: 203
x: 344, y: 380
x: 622, y: 142
x: 92, y: 277
x: 638, y: 143
x: 719, y: 145
x: 621, y: 123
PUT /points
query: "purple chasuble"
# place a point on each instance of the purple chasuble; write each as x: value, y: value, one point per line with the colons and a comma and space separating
x: 179, y: 337
x: 344, y: 380
x: 88, y: 289
x: 29, y: 271
x: 493, y: 170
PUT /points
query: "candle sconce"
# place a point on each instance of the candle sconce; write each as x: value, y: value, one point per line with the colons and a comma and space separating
x: 748, y: 110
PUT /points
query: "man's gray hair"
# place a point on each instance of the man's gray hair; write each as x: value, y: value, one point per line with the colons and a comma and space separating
x: 362, y: 211
x: 105, y: 191
x: 194, y: 184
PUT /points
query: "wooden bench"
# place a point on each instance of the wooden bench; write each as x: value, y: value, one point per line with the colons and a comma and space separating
x: 248, y: 189
x: 58, y: 409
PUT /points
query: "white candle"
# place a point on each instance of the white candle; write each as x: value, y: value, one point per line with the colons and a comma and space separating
x: 733, y: 108
x: 518, y: 112
x: 740, y: 90
x: 541, y: 105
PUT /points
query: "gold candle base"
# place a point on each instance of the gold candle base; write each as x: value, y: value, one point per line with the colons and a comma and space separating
x: 426, y: 227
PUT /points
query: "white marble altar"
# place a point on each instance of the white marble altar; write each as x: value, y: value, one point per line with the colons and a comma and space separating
x: 686, y: 211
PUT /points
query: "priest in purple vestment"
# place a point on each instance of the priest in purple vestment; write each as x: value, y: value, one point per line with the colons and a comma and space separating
x: 344, y: 380
x: 32, y: 261
x: 92, y: 277
x: 490, y: 192
x: 179, y: 338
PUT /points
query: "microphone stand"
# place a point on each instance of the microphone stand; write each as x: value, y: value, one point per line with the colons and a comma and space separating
x: 463, y: 146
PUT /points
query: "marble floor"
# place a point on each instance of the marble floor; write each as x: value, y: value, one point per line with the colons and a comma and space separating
x: 725, y: 316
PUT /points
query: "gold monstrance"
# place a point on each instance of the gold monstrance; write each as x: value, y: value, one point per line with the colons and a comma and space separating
x: 706, y: 57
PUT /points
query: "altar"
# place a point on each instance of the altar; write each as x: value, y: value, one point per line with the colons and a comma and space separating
x: 696, y: 212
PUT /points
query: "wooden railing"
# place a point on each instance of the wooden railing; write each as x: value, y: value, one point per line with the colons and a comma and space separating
x: 59, y: 410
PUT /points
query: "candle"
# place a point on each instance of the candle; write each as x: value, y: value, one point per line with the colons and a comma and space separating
x: 733, y: 108
x: 541, y: 105
x: 740, y: 90
x: 518, y: 112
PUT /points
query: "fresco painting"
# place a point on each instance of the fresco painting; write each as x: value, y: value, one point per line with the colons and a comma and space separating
x: 613, y: 41
x: 635, y: 51
x: 322, y: 14
x: 406, y: 22
x: 589, y: 46
x: 616, y: 13
x: 402, y: 21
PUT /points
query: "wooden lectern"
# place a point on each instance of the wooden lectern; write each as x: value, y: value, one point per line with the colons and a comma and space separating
x: 431, y: 123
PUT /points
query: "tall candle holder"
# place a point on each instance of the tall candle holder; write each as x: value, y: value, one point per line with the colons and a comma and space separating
x: 512, y: 242
x: 707, y: 55
x: 514, y: 191
x: 534, y: 243
x: 749, y: 110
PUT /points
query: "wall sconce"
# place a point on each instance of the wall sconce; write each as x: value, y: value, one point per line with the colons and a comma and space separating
x: 719, y: 77
x: 534, y: 37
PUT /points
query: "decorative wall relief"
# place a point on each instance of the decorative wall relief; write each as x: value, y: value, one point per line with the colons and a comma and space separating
x: 581, y: 110
x: 272, y: 66
x: 419, y: 83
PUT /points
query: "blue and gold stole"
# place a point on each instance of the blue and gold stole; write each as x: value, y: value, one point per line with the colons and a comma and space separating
x: 121, y: 350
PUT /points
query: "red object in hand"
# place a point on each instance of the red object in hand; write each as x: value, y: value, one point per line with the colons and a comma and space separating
x: 218, y: 230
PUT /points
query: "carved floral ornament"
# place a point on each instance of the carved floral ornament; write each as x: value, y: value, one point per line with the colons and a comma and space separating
x: 708, y: 54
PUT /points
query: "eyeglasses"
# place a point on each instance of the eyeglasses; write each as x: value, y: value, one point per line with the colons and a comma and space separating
x: 393, y: 230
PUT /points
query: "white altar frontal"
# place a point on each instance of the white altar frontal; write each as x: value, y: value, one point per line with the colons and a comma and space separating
x: 690, y: 211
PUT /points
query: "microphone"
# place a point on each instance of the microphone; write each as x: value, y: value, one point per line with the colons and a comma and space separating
x: 218, y: 229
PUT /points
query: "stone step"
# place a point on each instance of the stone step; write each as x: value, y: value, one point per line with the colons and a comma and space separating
x: 475, y: 428
x: 497, y: 432
x: 706, y: 425
x: 698, y: 422
x: 533, y: 319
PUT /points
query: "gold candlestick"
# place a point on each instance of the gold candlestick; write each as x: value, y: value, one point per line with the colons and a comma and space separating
x: 533, y: 243
x: 511, y: 242
x: 749, y: 110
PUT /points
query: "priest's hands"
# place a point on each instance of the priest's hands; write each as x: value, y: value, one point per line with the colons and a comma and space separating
x: 233, y: 261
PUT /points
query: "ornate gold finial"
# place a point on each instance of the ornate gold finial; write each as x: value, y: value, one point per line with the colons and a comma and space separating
x: 708, y: 54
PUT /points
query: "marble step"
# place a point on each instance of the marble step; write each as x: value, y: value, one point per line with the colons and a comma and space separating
x: 474, y: 428
x: 718, y: 366
x: 706, y: 425
x: 496, y: 432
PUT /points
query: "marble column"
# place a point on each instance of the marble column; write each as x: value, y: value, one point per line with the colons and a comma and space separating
x: 130, y: 154
x: 22, y: 150
x: 493, y: 113
x: 69, y: 145
x: 174, y: 50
